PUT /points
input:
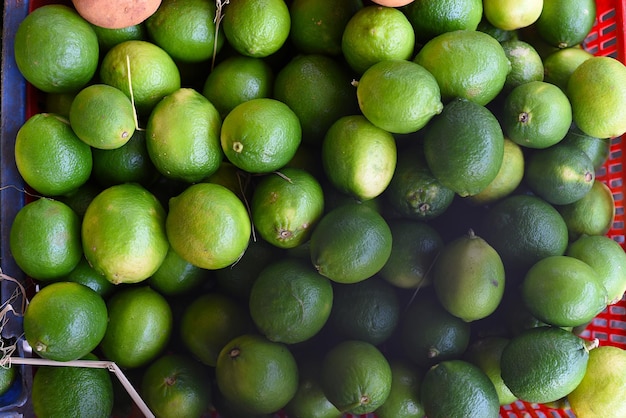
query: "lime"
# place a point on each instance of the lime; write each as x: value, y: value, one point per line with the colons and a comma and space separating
x: 593, y: 214
x: 177, y: 276
x: 536, y: 114
x: 75, y: 391
x: 108, y: 38
x: 563, y: 291
x: 65, y: 321
x: 208, y: 226
x: 50, y: 157
x: 564, y: 24
x: 174, y: 385
x: 123, y: 233
x: 544, y: 364
x: 458, y: 388
x: 102, y: 116
x: 559, y: 65
x: 140, y: 325
x: 86, y: 275
x: 398, y: 96
x: 403, y: 400
x: 351, y: 243
x: 186, y: 30
x: 356, y: 376
x: 431, y: 18
x: 59, y: 103
x: 359, y: 158
x: 256, y: 28
x: 464, y: 147
x: 526, y: 63
x: 260, y: 135
x: 375, y: 34
x: 310, y: 400
x: 559, y: 174
x: 8, y: 376
x: 183, y: 136
x: 512, y: 15
x: 467, y: 64
x: 45, y: 239
x: 608, y: 260
x: 597, y: 149
x: 598, y: 77
x: 259, y: 375
x: 209, y: 322
x: 367, y: 311
x: 56, y: 50
x: 290, y: 302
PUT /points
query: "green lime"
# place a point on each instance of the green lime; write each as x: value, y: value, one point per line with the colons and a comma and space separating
x: 458, y: 388
x: 140, y: 325
x: 86, y: 275
x: 183, y: 136
x: 431, y: 18
x: 350, y: 243
x: 310, y: 400
x: 597, y: 149
x: 511, y: 14
x: 464, y: 147
x: 123, y: 233
x: 593, y: 214
x: 526, y: 64
x: 564, y: 24
x: 108, y: 37
x: 50, y: 157
x: 544, y: 364
x: 559, y: 65
x: 65, y: 321
x: 45, y: 239
x: 398, y: 96
x: 356, y: 376
x: 8, y: 376
x: 404, y: 396
x: 56, y: 50
x: 177, y: 276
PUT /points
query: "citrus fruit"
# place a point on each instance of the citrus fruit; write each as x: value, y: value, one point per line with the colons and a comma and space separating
x: 375, y: 34
x: 86, y: 275
x: 544, y: 364
x: 80, y: 198
x: 608, y: 260
x: 486, y: 353
x: 431, y: 18
x: 500, y: 35
x: 174, y: 385
x: 50, y: 157
x: 56, y: 50
x: 414, y: 192
x: 536, y: 114
x: 102, y: 116
x: 356, y: 376
x: 564, y: 24
x: 140, y: 325
x: 209, y: 322
x: 563, y: 291
x: 458, y: 388
x: 367, y: 311
x: 260, y: 135
x: 256, y: 28
x: 398, y: 96
x: 430, y: 334
x: 512, y: 15
x: 177, y: 276
x: 359, y: 158
x: 108, y: 38
x: 597, y: 149
x: 559, y: 65
x: 466, y: 63
x: 464, y: 147
x: 560, y: 174
x: 8, y: 376
x: 290, y: 302
x: 286, y: 207
x: 468, y: 278
x: 123, y: 233
x: 598, y: 77
x: 350, y: 243
x: 415, y: 246
x: 236, y: 79
x: 597, y: 395
x: 186, y: 30
x: 208, y: 226
x: 526, y: 63
x: 183, y: 136
x: 509, y: 176
x: 116, y: 14
x: 65, y: 321
x: 325, y: 83
x: 75, y: 391
x: 59, y: 103
x: 317, y: 25
x: 593, y: 214
x: 524, y: 229
x: 142, y: 68
x: 259, y: 375
x: 129, y: 163
x: 310, y: 399
x: 403, y: 400
x: 45, y: 239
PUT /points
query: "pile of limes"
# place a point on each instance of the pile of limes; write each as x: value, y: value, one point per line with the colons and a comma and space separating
x: 321, y: 208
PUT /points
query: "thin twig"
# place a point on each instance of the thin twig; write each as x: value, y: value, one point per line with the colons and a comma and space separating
x: 219, y: 15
